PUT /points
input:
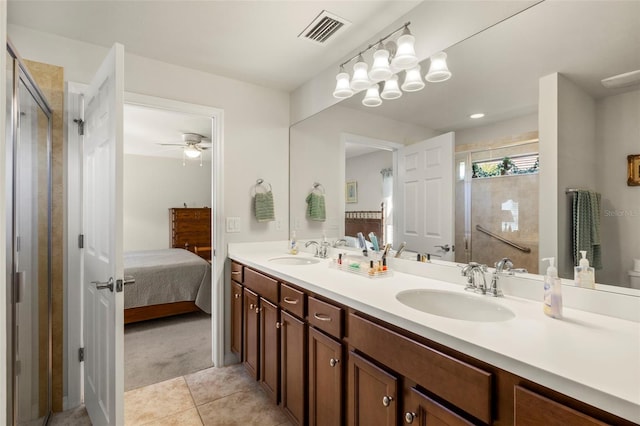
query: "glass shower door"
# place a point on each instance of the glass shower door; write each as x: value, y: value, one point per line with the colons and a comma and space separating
x: 31, y: 258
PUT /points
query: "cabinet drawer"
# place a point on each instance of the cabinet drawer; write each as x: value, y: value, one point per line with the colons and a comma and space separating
x: 462, y: 384
x: 533, y: 409
x: 326, y: 317
x: 292, y: 300
x: 236, y: 272
x: 261, y: 284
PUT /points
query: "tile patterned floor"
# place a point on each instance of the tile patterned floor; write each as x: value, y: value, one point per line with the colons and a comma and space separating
x: 212, y: 397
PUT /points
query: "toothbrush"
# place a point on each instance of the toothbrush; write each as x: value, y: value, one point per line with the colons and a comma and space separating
x: 363, y: 244
x: 374, y: 241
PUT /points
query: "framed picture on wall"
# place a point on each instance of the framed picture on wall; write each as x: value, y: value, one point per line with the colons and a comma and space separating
x: 634, y: 170
x: 351, y: 191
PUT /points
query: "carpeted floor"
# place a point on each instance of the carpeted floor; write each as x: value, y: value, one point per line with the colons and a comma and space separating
x: 162, y: 349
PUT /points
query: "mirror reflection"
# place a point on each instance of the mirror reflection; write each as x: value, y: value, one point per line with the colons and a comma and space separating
x: 549, y: 125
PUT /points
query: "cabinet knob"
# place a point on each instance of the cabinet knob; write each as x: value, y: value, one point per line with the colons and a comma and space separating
x: 278, y: 325
x: 409, y: 417
x: 257, y: 310
x: 386, y: 400
x: 251, y: 306
x: 333, y: 362
x: 237, y: 295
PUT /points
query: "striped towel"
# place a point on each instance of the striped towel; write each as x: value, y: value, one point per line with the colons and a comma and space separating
x: 586, y: 227
x: 263, y: 203
x: 315, y: 207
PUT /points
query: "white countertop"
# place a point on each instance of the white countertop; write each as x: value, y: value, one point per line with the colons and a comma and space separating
x: 590, y: 357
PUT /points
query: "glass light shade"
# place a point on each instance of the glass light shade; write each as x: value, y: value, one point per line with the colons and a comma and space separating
x: 391, y: 89
x: 438, y: 70
x: 405, y: 56
x: 343, y: 90
x: 360, y: 79
x: 192, y: 152
x: 372, y: 98
x: 413, y: 80
x: 380, y: 69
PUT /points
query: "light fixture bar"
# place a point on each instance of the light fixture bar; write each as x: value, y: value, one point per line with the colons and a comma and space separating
x: 383, y: 39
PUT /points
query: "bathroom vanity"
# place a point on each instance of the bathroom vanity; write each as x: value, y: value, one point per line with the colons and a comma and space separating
x: 331, y: 348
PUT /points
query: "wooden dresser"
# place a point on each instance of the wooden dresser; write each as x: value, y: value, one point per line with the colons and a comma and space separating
x: 191, y: 228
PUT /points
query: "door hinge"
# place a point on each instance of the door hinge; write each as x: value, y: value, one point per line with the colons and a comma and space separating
x: 81, y: 354
x: 18, y: 243
x: 81, y: 241
x: 17, y: 287
x: 80, y: 123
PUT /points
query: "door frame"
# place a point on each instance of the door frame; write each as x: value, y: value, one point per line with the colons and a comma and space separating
x: 73, y: 278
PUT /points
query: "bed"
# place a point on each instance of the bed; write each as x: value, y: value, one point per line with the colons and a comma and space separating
x: 168, y: 282
x: 365, y: 221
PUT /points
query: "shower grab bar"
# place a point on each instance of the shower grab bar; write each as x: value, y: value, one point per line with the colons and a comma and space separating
x: 504, y: 240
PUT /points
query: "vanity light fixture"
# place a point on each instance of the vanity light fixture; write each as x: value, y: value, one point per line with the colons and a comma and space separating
x: 476, y: 116
x: 389, y: 59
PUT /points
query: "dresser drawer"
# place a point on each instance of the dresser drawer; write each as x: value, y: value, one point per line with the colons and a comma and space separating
x: 292, y: 300
x: 261, y: 284
x: 463, y: 385
x: 191, y: 214
x: 237, y: 272
x: 326, y: 317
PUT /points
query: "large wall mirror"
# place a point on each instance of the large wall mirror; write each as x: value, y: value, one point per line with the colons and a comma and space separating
x: 506, y: 200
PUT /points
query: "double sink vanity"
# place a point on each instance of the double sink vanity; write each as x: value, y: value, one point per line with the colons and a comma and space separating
x: 412, y: 347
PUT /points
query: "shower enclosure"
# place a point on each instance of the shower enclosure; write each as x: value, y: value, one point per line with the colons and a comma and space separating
x: 28, y: 177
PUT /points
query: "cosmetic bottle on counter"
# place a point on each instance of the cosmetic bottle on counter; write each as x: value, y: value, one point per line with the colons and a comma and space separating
x: 552, y: 291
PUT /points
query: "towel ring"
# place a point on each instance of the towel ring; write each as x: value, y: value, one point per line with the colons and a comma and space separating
x: 260, y: 183
x: 318, y: 187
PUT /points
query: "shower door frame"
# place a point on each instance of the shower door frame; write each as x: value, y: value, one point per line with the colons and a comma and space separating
x: 21, y: 73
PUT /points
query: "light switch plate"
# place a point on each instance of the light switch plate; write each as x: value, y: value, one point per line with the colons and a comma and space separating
x: 233, y: 224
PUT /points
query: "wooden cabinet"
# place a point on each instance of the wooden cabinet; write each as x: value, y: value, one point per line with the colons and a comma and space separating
x: 372, y: 394
x: 420, y: 410
x: 532, y: 409
x: 326, y: 366
x: 251, y: 343
x: 236, y: 317
x: 190, y: 228
x: 293, y: 366
x: 270, y: 348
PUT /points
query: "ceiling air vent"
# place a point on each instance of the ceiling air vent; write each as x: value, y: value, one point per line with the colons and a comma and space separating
x: 323, y: 27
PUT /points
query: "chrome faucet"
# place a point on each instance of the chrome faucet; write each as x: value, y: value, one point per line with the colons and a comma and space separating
x: 321, y: 249
x: 340, y: 242
x: 401, y: 249
x: 471, y: 271
x: 503, y: 265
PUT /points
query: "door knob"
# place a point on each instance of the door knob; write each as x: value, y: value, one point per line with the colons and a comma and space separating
x: 444, y: 248
x: 129, y: 279
x: 103, y: 285
x: 386, y: 400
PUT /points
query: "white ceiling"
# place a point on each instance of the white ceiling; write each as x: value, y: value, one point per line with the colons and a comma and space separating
x: 497, y: 71
x: 146, y: 128
x: 253, y: 41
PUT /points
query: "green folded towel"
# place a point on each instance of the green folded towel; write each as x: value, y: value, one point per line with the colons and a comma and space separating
x: 315, y: 207
x: 586, y: 227
x: 263, y: 203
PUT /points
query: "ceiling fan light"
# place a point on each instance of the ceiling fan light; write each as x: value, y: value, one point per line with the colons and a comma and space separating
x: 380, y: 69
x: 413, y: 80
x: 391, y: 89
x: 438, y: 70
x: 360, y: 79
x: 372, y: 97
x: 191, y: 151
x: 405, y: 56
x: 342, y: 90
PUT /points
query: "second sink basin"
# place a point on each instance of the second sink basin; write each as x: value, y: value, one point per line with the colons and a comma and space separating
x: 468, y: 307
x: 294, y: 260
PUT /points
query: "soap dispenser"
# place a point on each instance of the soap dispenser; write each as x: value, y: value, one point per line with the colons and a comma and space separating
x: 293, y: 243
x: 552, y: 305
x: 584, y: 275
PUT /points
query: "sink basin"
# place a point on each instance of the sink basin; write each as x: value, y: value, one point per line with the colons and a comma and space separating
x: 467, y: 307
x: 294, y: 260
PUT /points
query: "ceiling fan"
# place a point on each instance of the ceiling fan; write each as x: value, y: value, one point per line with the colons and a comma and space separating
x: 192, y: 143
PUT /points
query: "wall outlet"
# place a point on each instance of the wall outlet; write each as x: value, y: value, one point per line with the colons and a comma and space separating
x: 233, y: 224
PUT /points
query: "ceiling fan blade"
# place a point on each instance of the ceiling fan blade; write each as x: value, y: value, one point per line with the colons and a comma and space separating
x: 171, y: 144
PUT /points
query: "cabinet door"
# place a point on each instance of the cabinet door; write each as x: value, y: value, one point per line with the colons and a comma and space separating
x: 421, y: 410
x: 372, y: 394
x: 236, y: 317
x: 293, y: 336
x: 251, y: 344
x: 269, y: 348
x: 325, y: 380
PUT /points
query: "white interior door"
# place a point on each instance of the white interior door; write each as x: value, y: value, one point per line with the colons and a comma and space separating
x: 103, y: 305
x: 425, y: 196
